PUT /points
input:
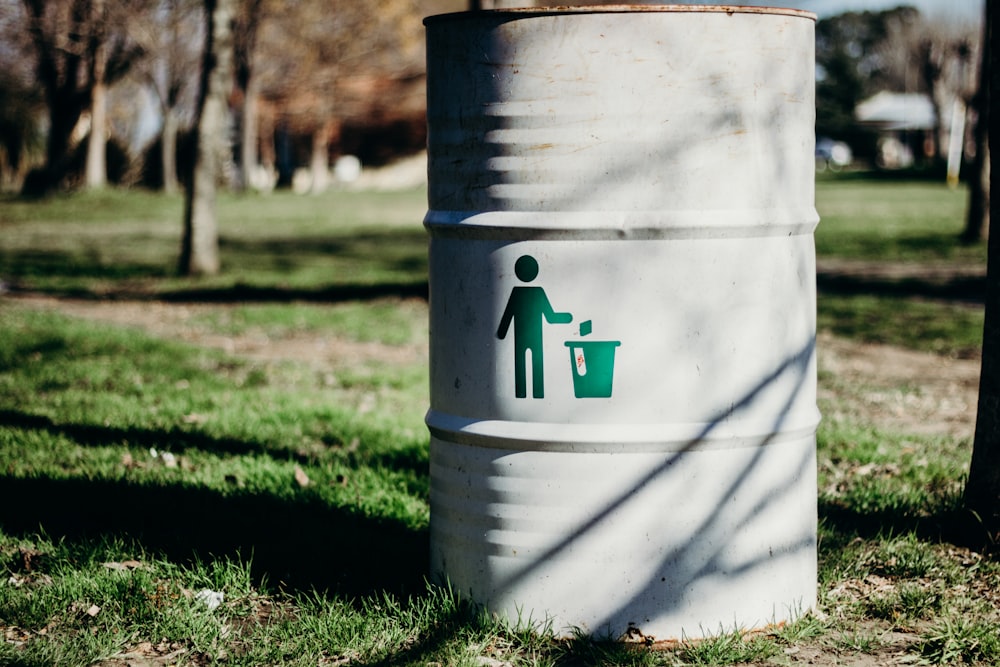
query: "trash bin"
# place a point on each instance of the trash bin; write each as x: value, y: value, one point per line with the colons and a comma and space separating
x: 635, y: 185
x: 593, y: 364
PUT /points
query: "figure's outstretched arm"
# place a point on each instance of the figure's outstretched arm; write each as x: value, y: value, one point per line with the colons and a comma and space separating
x: 553, y: 317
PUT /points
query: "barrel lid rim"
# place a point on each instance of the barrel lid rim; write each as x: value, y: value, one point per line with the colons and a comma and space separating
x: 519, y: 12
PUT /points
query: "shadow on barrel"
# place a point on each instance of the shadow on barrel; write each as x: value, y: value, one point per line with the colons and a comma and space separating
x: 704, y: 516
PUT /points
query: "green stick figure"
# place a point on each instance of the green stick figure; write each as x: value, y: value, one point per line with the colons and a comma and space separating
x: 526, y: 307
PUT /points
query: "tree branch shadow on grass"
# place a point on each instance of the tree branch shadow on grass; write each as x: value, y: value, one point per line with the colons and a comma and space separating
x: 272, y: 294
x: 177, y: 440
x: 242, y: 293
x: 396, y: 253
x: 299, y: 544
x: 296, y: 543
x: 948, y: 524
x: 960, y: 288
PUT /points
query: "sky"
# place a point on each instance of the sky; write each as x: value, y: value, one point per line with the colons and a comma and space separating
x: 962, y: 10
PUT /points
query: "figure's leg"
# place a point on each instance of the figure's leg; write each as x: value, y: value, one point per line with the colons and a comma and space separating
x: 537, y: 373
x: 520, y: 374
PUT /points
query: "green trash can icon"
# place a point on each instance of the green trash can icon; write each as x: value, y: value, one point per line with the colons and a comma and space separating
x: 593, y: 364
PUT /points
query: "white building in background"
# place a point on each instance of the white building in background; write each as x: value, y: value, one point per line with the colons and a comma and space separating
x: 905, y: 123
x: 897, y: 111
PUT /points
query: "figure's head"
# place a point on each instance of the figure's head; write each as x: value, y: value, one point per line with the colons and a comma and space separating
x: 526, y: 268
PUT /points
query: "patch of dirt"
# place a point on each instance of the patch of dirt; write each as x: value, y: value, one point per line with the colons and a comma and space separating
x: 180, y: 321
x: 897, y: 389
x: 927, y: 272
x: 888, y: 387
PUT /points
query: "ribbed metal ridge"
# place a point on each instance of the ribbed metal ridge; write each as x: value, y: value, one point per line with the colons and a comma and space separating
x: 622, y: 225
x: 518, y: 12
x: 616, y: 438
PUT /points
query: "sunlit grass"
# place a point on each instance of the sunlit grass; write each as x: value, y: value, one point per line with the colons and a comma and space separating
x: 138, y: 470
x: 116, y: 242
x: 942, y: 327
x: 893, y: 221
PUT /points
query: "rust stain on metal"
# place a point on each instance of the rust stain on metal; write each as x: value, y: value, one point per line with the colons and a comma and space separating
x: 675, y: 643
x: 635, y: 636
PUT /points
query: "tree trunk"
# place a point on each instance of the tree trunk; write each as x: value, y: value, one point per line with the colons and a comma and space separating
x: 982, y: 492
x: 977, y: 221
x: 248, y: 138
x: 61, y: 124
x: 57, y: 73
x: 319, y: 165
x: 168, y: 153
x: 267, y: 155
x: 96, y: 174
x: 200, y: 243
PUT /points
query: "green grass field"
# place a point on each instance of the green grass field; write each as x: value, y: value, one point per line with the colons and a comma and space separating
x: 143, y: 472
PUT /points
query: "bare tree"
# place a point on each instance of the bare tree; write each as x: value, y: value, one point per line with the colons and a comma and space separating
x: 115, y: 53
x: 314, y: 54
x: 200, y: 242
x: 20, y: 135
x: 982, y: 492
x: 912, y: 53
x: 75, y: 49
x: 249, y: 17
x: 58, y: 38
x: 174, y: 38
x: 21, y: 103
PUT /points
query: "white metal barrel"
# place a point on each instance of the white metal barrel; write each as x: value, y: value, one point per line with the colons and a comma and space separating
x: 622, y: 316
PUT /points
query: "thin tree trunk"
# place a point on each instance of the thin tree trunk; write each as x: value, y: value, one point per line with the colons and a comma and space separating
x: 982, y: 492
x: 96, y: 174
x: 248, y: 138
x: 61, y: 124
x: 200, y: 243
x: 168, y: 153
x: 977, y: 221
x: 267, y: 155
x: 319, y: 165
